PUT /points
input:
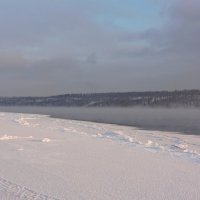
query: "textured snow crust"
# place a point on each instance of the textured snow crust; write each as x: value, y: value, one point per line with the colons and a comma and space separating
x: 46, y: 158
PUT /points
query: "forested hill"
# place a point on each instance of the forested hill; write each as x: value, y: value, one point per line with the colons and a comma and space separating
x: 185, y: 98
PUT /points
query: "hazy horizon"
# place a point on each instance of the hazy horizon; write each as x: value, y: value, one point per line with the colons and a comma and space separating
x: 111, y: 92
x: 85, y: 46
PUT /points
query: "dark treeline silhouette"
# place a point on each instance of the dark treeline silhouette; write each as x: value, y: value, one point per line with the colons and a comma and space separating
x: 184, y: 98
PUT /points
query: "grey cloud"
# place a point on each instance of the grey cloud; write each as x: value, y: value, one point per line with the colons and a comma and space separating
x: 57, y: 47
x: 12, y: 60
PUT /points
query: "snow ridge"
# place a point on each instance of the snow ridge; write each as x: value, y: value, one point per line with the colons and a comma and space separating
x: 174, y: 144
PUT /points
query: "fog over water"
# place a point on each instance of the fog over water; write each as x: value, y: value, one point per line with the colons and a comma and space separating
x: 183, y: 120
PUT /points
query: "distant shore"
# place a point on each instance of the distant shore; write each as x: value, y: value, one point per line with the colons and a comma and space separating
x: 167, y: 99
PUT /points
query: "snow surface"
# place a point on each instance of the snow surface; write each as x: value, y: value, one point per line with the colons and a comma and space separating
x: 46, y: 158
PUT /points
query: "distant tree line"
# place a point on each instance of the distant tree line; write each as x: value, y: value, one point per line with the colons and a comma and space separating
x: 183, y: 98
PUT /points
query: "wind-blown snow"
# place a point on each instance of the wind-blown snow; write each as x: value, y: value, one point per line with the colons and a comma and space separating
x: 46, y: 158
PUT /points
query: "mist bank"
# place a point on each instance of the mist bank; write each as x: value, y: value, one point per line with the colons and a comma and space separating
x: 182, y: 98
x: 182, y: 120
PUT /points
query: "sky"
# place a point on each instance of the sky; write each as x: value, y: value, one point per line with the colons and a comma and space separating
x: 50, y: 47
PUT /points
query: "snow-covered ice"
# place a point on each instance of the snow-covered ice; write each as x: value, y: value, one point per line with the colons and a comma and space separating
x: 46, y: 158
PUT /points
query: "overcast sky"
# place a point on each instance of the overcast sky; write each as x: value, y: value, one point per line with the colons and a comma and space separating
x: 50, y: 47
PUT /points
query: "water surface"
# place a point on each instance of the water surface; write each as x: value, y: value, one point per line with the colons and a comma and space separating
x: 184, y: 120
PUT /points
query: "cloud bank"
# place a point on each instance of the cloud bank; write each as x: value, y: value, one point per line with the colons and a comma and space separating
x: 54, y: 47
